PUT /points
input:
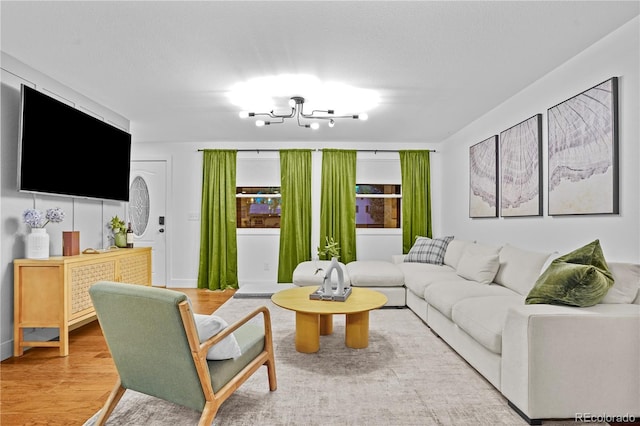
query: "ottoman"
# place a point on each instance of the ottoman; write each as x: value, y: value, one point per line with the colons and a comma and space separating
x: 381, y: 276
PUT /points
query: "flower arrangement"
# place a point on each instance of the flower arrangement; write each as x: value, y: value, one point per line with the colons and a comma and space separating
x: 36, y: 219
x: 331, y: 249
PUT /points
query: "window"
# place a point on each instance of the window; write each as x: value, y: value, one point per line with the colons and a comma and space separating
x: 378, y: 206
x: 258, y: 207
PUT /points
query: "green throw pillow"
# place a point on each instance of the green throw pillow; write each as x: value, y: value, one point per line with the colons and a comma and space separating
x: 580, y: 278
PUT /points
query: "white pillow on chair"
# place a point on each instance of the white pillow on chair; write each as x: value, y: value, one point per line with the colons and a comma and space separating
x: 210, y: 325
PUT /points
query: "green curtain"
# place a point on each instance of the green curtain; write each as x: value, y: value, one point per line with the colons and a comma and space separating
x: 416, y: 197
x: 218, y: 266
x: 295, y: 214
x: 338, y: 201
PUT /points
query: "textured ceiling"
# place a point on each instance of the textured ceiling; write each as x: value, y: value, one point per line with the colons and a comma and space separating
x: 437, y: 65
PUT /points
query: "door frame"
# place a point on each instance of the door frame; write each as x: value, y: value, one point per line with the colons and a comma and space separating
x: 168, y: 215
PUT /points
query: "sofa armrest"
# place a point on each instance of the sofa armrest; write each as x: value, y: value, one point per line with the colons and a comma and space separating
x: 560, y: 362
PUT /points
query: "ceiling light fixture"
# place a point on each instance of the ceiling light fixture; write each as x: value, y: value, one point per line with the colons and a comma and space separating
x: 309, y: 121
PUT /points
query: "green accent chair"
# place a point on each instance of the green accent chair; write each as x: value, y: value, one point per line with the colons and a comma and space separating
x: 154, y: 343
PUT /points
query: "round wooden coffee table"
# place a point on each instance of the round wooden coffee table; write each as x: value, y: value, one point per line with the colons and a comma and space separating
x: 315, y: 317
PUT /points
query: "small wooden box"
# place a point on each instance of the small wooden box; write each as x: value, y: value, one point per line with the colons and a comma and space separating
x: 70, y: 243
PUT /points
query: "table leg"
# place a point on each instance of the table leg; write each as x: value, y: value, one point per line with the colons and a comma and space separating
x: 357, y: 330
x: 307, y: 332
x: 326, y: 324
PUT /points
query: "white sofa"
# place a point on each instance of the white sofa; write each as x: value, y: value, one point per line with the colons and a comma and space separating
x: 549, y: 361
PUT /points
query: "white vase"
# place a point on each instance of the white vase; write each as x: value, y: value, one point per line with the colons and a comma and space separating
x: 326, y: 285
x: 38, y: 244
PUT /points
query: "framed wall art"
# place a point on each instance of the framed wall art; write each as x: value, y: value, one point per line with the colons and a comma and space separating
x: 483, y: 178
x: 520, y: 169
x: 583, y: 152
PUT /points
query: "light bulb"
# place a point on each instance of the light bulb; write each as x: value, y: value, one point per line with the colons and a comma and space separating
x: 292, y: 103
x: 243, y: 114
x: 259, y: 123
x: 315, y: 126
x: 332, y: 123
x: 364, y: 116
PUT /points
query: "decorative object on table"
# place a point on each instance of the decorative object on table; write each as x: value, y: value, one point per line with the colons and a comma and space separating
x: 583, y: 152
x: 483, y: 178
x: 70, y: 243
x: 129, y: 235
x: 520, y: 170
x: 38, y: 239
x: 119, y: 229
x: 327, y: 292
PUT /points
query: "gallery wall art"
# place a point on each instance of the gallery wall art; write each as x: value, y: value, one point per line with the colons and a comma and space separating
x: 483, y: 178
x: 520, y: 169
x: 583, y: 152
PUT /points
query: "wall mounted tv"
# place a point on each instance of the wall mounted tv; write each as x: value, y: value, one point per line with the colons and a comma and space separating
x: 64, y: 151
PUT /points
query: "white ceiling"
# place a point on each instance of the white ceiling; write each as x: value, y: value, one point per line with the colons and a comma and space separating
x: 437, y: 65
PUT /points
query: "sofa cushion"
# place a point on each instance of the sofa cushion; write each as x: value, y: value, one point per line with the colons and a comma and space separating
x: 312, y: 273
x: 580, y: 278
x: 519, y: 269
x: 443, y: 296
x: 483, y: 318
x: 417, y: 276
x: 374, y: 273
x: 626, y: 283
x: 478, y: 267
x: 454, y: 252
x: 428, y: 250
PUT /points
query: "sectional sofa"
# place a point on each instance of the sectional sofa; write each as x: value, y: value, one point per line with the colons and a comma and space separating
x: 549, y: 361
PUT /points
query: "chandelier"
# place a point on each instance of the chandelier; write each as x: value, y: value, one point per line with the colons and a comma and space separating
x: 310, y: 121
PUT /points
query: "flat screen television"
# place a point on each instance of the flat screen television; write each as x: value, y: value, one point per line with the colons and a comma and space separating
x: 64, y: 151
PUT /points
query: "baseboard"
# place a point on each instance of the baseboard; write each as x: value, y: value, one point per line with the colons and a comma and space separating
x: 524, y: 416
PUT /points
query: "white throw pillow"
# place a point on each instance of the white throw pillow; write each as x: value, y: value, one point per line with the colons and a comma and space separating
x: 519, y: 269
x: 454, y: 252
x: 478, y: 267
x: 626, y: 278
x: 210, y: 325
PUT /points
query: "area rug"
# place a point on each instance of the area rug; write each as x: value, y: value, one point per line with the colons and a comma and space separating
x: 406, y: 376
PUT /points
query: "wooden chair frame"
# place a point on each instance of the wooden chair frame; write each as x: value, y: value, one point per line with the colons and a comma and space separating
x: 213, y: 400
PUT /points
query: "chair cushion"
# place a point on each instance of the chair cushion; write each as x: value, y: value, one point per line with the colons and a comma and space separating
x: 311, y: 273
x: 483, y: 318
x: 250, y: 339
x: 580, y: 278
x: 210, y: 325
x: 428, y: 250
x: 519, y: 269
x: 374, y: 273
x: 443, y: 296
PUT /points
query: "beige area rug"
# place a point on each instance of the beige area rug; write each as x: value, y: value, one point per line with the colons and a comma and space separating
x: 407, y: 376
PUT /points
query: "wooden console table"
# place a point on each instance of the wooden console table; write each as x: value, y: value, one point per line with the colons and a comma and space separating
x: 54, y: 292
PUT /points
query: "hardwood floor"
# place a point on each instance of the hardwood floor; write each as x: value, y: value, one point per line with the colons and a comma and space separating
x: 42, y: 388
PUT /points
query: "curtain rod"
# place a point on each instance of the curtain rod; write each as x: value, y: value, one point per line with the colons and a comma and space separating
x: 375, y: 151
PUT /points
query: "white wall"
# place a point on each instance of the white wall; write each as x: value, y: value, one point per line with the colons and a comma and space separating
x: 615, y: 55
x: 258, y: 248
x: 87, y: 216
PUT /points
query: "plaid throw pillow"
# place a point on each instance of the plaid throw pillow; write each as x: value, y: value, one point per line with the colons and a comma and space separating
x: 427, y: 250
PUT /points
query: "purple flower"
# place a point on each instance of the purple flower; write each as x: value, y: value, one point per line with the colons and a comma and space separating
x: 35, y: 219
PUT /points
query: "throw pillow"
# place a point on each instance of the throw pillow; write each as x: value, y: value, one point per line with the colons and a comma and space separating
x: 427, y: 250
x: 580, y: 278
x: 478, y: 267
x: 626, y: 282
x: 210, y: 325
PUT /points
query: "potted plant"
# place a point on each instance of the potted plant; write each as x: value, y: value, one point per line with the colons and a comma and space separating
x: 119, y: 229
x: 331, y: 249
x: 38, y: 239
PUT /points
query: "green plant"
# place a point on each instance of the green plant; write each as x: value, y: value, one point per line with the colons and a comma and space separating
x: 331, y: 249
x: 117, y: 225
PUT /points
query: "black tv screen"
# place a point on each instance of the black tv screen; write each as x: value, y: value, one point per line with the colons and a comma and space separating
x: 64, y: 151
